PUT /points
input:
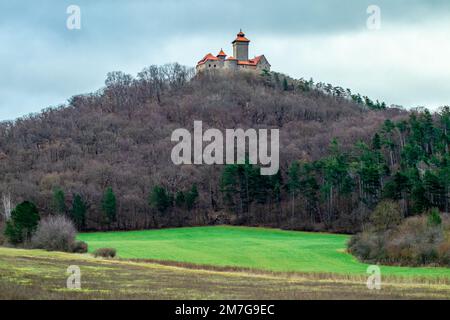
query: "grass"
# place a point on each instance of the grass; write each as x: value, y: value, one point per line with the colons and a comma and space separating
x: 36, y: 274
x: 212, y: 263
x: 252, y: 248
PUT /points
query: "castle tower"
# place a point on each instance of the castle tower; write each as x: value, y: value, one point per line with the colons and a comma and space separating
x: 222, y: 55
x: 240, y: 47
x: 238, y: 62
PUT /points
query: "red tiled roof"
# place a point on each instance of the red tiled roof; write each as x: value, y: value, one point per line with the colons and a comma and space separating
x: 208, y: 57
x: 250, y: 62
x: 241, y: 38
x: 221, y: 53
x: 231, y: 58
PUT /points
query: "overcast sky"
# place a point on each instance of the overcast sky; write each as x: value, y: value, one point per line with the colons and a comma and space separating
x: 406, y: 62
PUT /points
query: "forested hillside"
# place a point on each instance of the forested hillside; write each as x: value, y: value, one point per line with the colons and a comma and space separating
x: 104, y: 158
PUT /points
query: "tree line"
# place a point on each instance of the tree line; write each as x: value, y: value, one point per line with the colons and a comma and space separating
x: 288, y: 84
x: 406, y: 161
x: 159, y: 199
x: 79, y: 207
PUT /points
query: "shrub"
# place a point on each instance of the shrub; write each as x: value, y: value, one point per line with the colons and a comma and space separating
x: 23, y: 222
x: 434, y: 218
x: 80, y: 247
x: 386, y: 215
x: 105, y: 252
x: 414, y: 242
x: 55, y: 233
x: 444, y: 252
x: 368, y: 246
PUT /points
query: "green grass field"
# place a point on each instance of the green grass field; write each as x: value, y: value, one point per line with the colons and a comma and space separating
x: 242, y: 247
x: 212, y: 263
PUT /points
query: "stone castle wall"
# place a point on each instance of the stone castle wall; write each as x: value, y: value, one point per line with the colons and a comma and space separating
x: 240, y: 50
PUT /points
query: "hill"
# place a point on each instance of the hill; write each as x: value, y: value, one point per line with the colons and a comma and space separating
x: 119, y: 137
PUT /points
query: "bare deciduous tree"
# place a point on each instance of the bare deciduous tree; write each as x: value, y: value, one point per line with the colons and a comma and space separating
x: 6, y: 200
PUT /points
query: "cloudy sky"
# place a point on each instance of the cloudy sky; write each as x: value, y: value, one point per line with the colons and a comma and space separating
x: 43, y: 63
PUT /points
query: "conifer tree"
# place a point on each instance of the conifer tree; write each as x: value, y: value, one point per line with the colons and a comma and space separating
x: 109, y: 205
x: 285, y: 84
x: 180, y: 199
x: 191, y: 197
x: 293, y: 183
x: 160, y: 199
x: 23, y: 222
x: 79, y: 209
x: 59, y: 201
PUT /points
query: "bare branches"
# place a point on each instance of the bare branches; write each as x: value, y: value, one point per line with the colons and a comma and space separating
x: 6, y: 200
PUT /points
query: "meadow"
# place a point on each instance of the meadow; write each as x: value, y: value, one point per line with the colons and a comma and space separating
x: 247, y: 248
x: 36, y: 274
x: 212, y: 263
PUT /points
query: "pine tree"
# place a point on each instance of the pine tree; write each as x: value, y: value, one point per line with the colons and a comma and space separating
x: 402, y: 127
x: 285, y: 84
x: 429, y: 131
x: 388, y: 141
x: 337, y: 180
x: 79, y: 209
x: 444, y: 176
x: 376, y: 142
x: 160, y: 199
x: 434, y: 190
x: 418, y: 196
x: 444, y: 119
x: 293, y: 183
x: 242, y: 185
x: 191, y: 197
x: 109, y: 205
x: 180, y: 199
x: 369, y: 168
x: 276, y: 181
x: 229, y: 185
x: 59, y: 201
x: 309, y: 188
x: 23, y: 222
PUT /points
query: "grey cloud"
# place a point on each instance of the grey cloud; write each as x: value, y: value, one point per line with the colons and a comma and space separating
x: 42, y: 63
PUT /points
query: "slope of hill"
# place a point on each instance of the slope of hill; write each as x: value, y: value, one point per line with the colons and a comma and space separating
x: 119, y: 137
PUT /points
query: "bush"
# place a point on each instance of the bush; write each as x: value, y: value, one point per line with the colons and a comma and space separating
x: 55, y: 233
x: 368, y: 246
x: 386, y: 215
x: 105, y: 253
x: 444, y: 252
x: 434, y: 218
x: 80, y: 247
x: 23, y: 222
x: 414, y: 242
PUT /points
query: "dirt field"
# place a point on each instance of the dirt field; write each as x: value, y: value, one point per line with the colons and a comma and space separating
x: 27, y: 274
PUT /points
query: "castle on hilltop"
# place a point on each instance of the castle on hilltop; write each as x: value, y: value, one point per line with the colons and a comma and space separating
x: 239, y: 60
